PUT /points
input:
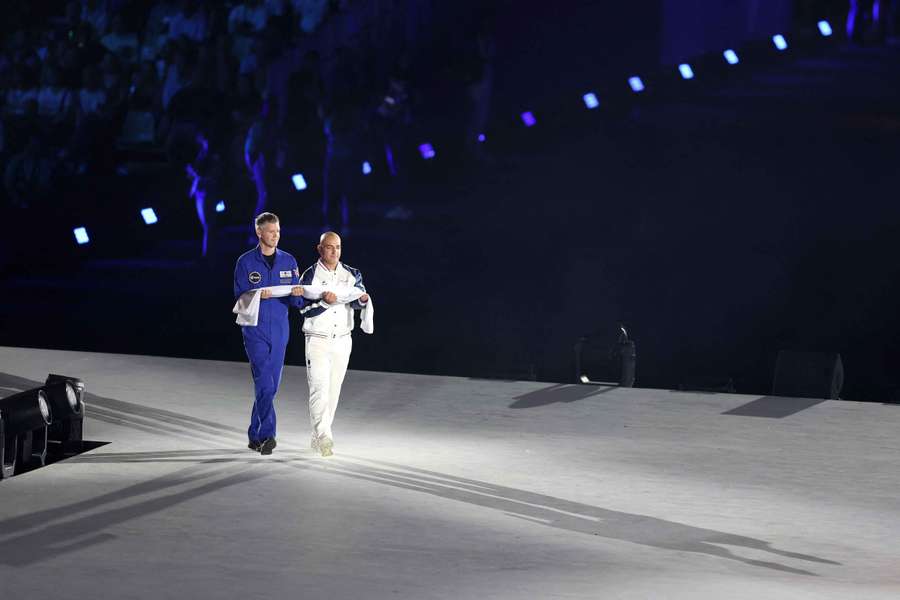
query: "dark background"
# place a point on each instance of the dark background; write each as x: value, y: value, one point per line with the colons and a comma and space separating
x: 722, y: 219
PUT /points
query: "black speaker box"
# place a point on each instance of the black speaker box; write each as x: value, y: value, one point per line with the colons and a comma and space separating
x: 808, y: 375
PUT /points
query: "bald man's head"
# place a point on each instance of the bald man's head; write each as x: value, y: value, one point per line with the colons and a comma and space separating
x: 328, y: 234
x: 330, y: 249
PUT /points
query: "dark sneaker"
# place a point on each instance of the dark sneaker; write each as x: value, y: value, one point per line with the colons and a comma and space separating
x: 253, y: 445
x: 266, y: 446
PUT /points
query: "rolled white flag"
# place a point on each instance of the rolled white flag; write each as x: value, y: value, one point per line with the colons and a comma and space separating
x: 247, y: 306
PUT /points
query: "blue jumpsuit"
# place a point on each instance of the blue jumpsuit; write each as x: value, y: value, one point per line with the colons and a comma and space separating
x: 266, y: 343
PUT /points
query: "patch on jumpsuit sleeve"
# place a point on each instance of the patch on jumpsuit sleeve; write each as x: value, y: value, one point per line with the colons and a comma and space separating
x: 255, y: 277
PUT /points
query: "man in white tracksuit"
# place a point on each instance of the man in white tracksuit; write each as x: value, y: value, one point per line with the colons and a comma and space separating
x: 327, y: 325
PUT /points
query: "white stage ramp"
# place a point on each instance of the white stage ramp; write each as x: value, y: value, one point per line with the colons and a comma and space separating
x: 445, y: 487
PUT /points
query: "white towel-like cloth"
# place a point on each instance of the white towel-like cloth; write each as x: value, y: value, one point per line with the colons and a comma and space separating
x: 367, y: 317
x: 247, y: 306
x: 345, y: 295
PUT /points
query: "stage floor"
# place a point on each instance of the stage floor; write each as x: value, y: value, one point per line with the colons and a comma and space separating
x: 445, y: 487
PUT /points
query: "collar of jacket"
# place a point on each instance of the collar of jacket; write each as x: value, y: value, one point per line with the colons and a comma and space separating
x: 262, y: 259
x: 337, y: 267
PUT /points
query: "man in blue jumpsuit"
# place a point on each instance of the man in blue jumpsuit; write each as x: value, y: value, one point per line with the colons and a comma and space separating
x: 262, y: 267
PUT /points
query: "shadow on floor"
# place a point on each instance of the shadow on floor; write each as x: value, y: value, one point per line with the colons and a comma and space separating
x: 43, y: 534
x: 774, y: 407
x: 66, y: 525
x: 558, y: 393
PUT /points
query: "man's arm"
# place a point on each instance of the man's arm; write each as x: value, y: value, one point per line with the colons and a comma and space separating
x: 364, y: 299
x: 241, y: 279
x: 296, y: 297
x: 311, y: 308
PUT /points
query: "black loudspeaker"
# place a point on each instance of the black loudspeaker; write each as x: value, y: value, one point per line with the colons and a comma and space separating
x: 808, y: 375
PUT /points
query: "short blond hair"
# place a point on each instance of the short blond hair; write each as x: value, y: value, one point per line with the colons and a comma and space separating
x: 265, y: 218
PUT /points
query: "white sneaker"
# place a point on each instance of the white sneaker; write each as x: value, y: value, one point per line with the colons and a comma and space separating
x: 325, y: 445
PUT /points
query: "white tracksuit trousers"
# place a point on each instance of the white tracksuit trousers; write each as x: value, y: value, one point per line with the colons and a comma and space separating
x: 326, y: 365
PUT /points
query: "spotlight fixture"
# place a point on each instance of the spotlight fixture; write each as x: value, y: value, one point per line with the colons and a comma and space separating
x: 637, y: 86
x: 780, y: 42
x: 590, y: 100
x: 618, y: 362
x: 731, y: 57
x: 8, y: 447
x: 528, y: 119
x: 26, y: 416
x: 686, y: 71
x: 825, y: 28
x: 25, y: 411
x: 65, y: 395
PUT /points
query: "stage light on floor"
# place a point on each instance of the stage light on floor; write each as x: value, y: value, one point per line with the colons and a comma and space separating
x: 426, y: 150
x: 366, y: 168
x: 62, y: 398
x: 149, y: 216
x: 65, y: 395
x: 528, y: 119
x: 26, y: 416
x: 25, y: 411
x: 299, y: 181
x: 825, y: 28
x: 8, y: 451
x: 220, y: 207
x: 614, y: 362
x: 686, y: 71
x: 81, y: 236
x: 590, y: 100
x: 780, y: 42
x: 637, y: 86
x: 731, y: 57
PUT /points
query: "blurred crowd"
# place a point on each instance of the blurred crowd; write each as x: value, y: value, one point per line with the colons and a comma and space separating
x: 222, y: 87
